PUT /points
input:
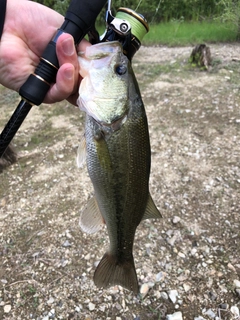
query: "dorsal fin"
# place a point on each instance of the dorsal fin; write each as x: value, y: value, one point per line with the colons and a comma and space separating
x: 91, y: 219
x: 151, y: 211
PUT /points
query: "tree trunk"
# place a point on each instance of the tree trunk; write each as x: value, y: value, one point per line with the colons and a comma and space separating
x: 201, y: 56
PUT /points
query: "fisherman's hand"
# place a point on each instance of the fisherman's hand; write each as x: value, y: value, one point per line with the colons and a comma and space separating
x: 28, y: 28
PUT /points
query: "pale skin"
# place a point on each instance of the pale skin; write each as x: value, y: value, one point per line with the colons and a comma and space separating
x: 28, y: 28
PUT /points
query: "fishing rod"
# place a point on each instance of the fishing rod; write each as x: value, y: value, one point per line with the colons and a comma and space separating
x: 79, y: 19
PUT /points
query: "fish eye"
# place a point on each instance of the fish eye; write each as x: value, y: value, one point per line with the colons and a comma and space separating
x: 120, y: 69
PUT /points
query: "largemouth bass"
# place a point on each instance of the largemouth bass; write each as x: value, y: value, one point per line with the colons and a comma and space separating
x: 118, y: 159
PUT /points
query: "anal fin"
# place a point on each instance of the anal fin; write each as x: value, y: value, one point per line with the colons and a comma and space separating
x: 151, y: 211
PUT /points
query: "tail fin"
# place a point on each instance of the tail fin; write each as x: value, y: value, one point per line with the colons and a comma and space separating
x: 111, y: 272
x: 9, y: 157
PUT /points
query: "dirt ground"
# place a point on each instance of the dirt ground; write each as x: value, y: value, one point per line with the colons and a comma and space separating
x: 188, y: 262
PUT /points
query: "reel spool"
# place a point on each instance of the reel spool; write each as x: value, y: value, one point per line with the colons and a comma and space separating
x: 128, y: 27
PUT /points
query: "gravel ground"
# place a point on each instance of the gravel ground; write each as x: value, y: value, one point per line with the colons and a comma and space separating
x: 188, y: 263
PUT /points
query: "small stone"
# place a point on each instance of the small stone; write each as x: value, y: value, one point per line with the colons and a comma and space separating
x: 238, y: 292
x: 175, y: 316
x: 159, y: 276
x: 209, y: 261
x: 212, y: 296
x: 88, y: 256
x: 181, y: 255
x: 4, y: 281
x: 91, y: 306
x: 3, y: 202
x: 102, y: 308
x: 66, y: 244
x: 114, y: 290
x: 77, y: 309
x: 223, y: 306
x: 199, y: 318
x: 236, y: 284
x: 231, y: 267
x: 173, y: 294
x: 118, y: 318
x: 176, y: 219
x: 144, y: 289
x: 118, y: 306
x: 7, y: 308
x: 172, y: 240
x: 194, y: 251
x: 186, y: 287
x: 164, y: 295
x: 235, y: 311
x: 210, y: 313
x: 50, y: 301
x: 51, y: 314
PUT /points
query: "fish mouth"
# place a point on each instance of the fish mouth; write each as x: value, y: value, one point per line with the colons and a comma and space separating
x: 102, y: 49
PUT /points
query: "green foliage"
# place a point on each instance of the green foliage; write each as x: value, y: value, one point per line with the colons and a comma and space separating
x: 177, y: 22
x: 57, y: 5
x: 231, y: 13
x: 166, y: 10
x: 61, y: 6
x: 159, y: 10
x: 189, y: 33
x: 176, y: 11
x: 47, y: 3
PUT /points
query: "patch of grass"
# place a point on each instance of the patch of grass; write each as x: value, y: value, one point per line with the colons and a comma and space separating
x: 184, y: 33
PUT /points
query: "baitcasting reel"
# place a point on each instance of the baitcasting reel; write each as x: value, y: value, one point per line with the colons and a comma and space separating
x: 128, y: 27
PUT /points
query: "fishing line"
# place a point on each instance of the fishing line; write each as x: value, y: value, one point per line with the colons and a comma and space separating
x: 156, y: 11
x: 138, y: 5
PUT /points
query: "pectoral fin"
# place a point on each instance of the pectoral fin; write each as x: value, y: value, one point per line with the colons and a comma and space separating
x: 151, y: 211
x: 82, y: 152
x: 91, y: 219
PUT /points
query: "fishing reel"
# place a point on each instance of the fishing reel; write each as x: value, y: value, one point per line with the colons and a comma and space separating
x: 128, y: 27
